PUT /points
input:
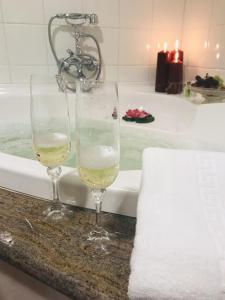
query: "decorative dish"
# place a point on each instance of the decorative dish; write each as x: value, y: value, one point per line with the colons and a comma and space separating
x: 211, y: 88
x: 210, y: 94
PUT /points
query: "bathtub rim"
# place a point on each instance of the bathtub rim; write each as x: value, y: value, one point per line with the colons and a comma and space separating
x: 27, y: 176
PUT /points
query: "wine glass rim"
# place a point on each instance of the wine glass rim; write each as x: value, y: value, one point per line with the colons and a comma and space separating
x: 68, y: 80
x: 97, y: 80
x: 44, y: 75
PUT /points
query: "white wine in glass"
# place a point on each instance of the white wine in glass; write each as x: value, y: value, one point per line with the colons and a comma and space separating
x: 101, y: 171
x: 97, y: 150
x: 51, y: 150
x: 51, y: 133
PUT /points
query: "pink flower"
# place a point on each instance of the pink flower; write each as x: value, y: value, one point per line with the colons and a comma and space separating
x: 136, y: 113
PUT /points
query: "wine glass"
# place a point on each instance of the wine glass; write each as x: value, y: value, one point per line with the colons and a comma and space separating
x: 51, y: 133
x: 97, y: 150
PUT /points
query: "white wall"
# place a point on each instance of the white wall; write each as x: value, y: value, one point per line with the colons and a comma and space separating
x: 204, y: 37
x: 129, y: 32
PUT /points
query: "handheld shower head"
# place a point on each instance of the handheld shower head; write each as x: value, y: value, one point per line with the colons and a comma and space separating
x: 83, y: 18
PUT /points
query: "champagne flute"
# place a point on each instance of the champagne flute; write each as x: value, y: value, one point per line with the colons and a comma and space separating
x: 51, y: 133
x: 97, y: 150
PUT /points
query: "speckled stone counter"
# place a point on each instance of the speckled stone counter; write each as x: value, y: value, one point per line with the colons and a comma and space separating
x: 51, y: 252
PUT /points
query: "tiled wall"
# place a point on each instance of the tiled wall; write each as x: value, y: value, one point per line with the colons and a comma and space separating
x: 204, y: 37
x: 129, y: 31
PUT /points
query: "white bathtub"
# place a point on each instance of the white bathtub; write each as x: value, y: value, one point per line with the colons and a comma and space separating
x: 178, y: 122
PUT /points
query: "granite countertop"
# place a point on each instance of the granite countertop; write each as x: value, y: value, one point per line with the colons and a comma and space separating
x: 51, y: 252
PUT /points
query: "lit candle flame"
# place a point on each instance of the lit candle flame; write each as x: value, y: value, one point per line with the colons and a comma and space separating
x: 165, y: 46
x: 177, y: 45
x: 176, y: 56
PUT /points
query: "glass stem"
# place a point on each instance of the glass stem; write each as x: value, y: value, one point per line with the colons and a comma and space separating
x: 54, y: 174
x: 97, y: 196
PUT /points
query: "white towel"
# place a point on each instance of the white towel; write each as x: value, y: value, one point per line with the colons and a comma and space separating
x: 179, y: 247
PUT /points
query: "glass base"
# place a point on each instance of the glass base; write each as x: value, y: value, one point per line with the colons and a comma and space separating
x: 57, y: 212
x: 97, y: 243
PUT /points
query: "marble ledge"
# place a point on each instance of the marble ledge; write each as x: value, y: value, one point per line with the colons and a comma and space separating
x: 52, y: 253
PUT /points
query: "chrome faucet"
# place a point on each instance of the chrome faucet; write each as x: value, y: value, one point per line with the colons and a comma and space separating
x: 77, y: 63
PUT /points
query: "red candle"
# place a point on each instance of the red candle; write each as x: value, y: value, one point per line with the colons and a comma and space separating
x: 175, y: 79
x: 162, y: 70
x: 173, y: 53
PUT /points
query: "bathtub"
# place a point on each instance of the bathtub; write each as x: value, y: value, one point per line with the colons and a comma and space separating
x: 178, y: 124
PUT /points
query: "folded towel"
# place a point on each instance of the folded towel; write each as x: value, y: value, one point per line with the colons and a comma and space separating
x: 179, y: 247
